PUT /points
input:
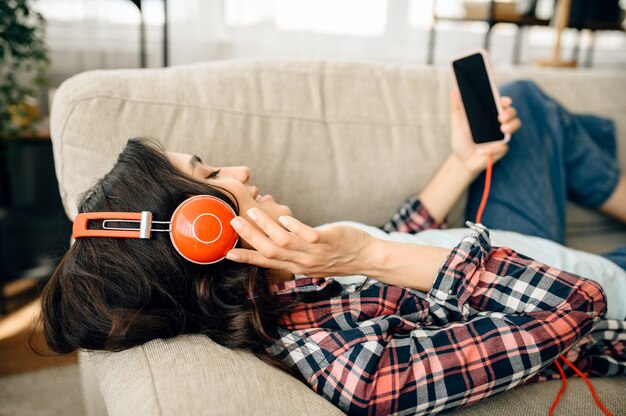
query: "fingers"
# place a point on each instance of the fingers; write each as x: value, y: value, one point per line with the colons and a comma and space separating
x: 509, y: 123
x: 455, y: 98
x: 274, y: 231
x: 275, y: 246
x: 303, y: 231
x: 254, y: 257
x: 495, y: 150
x: 500, y: 151
x: 506, y: 102
x: 277, y: 233
x: 507, y: 114
x: 511, y: 127
x: 259, y: 241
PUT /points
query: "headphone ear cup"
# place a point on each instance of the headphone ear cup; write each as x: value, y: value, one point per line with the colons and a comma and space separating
x: 201, y: 230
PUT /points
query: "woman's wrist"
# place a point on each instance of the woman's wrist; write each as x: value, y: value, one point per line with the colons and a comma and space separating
x: 402, y: 264
x: 445, y: 188
x: 375, y: 259
x: 466, y: 171
x: 371, y: 258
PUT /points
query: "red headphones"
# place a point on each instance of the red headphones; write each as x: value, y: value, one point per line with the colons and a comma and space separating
x: 200, y: 228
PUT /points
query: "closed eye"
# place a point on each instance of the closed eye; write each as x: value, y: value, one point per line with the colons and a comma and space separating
x: 213, y: 174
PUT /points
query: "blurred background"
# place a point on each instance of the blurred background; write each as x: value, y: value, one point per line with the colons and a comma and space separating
x: 44, y: 42
x: 92, y: 34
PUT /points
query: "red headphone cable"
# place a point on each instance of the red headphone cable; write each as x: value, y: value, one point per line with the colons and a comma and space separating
x: 483, y: 201
x: 564, y: 385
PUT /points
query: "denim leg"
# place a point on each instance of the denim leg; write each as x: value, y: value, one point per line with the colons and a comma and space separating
x: 617, y: 256
x: 556, y: 155
x: 592, y: 167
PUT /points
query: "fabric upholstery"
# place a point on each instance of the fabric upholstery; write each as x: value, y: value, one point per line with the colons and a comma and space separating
x: 214, y: 379
x: 325, y: 138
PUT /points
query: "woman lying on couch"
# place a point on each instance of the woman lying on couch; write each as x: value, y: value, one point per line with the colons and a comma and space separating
x: 443, y: 322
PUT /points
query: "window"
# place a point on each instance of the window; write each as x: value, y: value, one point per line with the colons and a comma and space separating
x: 110, y: 11
x: 345, y: 17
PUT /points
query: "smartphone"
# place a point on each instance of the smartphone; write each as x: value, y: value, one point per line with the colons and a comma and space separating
x: 479, y: 96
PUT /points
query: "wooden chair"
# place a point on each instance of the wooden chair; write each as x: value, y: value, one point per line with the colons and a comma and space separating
x: 497, y: 12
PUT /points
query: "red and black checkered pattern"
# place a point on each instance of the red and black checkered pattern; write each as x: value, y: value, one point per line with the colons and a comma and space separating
x: 494, y: 319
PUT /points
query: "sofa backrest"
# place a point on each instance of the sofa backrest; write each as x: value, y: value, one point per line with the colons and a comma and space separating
x: 333, y: 140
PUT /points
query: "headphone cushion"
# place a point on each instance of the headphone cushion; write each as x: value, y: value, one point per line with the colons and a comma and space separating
x: 201, y: 230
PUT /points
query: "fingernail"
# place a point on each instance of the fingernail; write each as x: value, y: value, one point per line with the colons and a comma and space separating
x: 252, y: 214
x: 232, y: 256
x: 236, y: 223
x: 284, y: 221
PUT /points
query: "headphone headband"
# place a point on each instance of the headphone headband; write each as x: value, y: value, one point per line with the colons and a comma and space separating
x: 80, y: 228
x: 199, y: 229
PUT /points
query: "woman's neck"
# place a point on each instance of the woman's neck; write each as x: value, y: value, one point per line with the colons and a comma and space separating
x: 278, y: 276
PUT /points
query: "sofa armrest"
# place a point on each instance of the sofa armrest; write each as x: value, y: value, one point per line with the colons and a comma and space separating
x: 192, y: 375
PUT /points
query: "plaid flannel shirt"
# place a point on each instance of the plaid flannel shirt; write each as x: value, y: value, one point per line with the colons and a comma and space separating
x: 494, y: 319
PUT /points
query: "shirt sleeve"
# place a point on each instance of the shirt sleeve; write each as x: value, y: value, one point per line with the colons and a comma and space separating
x: 496, y: 318
x: 412, y: 217
x: 600, y: 353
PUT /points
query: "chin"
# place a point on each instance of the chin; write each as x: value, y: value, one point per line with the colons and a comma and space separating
x: 285, y: 211
x: 277, y: 213
x: 277, y: 209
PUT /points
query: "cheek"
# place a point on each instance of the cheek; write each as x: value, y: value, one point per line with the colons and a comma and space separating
x: 245, y: 203
x: 236, y: 191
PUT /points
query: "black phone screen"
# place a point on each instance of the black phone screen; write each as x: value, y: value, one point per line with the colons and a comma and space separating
x: 478, y: 100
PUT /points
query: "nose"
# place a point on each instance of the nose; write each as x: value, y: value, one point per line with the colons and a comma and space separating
x: 243, y: 173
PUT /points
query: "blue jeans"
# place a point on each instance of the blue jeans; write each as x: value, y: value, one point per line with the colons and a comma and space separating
x: 555, y: 156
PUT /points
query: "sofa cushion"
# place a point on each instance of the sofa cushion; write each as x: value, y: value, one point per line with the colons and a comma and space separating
x: 192, y: 375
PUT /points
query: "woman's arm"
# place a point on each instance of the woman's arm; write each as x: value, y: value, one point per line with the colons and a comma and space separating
x: 335, y: 250
x: 493, y: 320
x: 446, y: 187
x: 403, y: 264
x: 466, y: 160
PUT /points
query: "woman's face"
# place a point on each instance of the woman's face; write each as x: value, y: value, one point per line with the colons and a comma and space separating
x: 232, y: 178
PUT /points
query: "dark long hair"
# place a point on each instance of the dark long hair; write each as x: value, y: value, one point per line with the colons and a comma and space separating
x: 113, y: 294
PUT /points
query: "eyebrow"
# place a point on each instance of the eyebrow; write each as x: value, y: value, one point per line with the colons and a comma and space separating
x: 195, y: 159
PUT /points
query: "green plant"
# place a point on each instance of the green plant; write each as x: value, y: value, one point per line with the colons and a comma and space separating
x: 23, y: 64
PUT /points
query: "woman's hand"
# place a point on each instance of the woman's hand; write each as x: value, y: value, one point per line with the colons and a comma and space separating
x: 332, y: 251
x: 472, y: 156
x: 335, y: 250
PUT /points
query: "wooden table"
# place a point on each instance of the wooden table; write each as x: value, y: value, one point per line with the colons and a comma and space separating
x: 16, y: 332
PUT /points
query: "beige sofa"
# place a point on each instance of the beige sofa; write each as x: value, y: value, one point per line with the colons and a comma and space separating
x: 334, y: 140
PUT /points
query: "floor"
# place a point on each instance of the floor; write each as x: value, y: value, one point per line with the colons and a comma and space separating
x: 46, y: 392
x: 22, y: 347
x: 33, y: 384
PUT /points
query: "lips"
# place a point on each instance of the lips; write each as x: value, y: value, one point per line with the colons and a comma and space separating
x: 255, y: 194
x: 258, y: 197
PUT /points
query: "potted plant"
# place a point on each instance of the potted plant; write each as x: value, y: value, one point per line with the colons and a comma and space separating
x: 23, y: 65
